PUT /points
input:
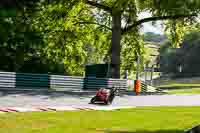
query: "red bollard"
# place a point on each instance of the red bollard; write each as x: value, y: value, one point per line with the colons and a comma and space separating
x: 137, y: 87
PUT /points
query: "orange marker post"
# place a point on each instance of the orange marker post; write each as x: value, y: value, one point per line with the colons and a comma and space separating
x: 137, y: 87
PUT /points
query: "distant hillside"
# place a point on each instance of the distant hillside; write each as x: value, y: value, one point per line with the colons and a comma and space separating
x: 152, y: 52
x: 152, y: 37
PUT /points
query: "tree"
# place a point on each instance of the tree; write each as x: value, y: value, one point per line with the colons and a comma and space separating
x: 43, y: 34
x: 126, y: 11
x: 186, y: 57
x: 69, y: 31
x: 18, y: 39
x: 68, y: 41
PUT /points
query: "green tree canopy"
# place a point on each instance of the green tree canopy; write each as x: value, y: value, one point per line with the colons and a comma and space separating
x: 186, y: 57
x: 76, y: 32
x: 125, y: 21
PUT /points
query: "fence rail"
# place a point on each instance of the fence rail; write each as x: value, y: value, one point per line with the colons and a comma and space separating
x: 7, y: 79
x: 56, y: 82
x: 100, y: 82
x: 59, y: 82
x: 24, y: 81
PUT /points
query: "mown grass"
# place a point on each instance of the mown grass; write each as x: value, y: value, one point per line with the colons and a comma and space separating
x: 179, y: 85
x: 136, y: 120
x: 181, y: 88
x: 185, y: 91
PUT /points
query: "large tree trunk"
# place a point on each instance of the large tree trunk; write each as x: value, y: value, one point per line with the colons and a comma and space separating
x: 116, y: 48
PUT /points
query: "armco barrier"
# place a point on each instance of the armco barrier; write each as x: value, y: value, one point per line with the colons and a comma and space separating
x: 24, y: 80
x: 59, y: 82
x: 28, y: 80
x: 144, y: 87
x: 55, y: 82
x: 92, y: 82
x: 7, y: 79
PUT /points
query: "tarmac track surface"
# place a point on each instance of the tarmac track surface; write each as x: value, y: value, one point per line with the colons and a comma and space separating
x: 81, y: 99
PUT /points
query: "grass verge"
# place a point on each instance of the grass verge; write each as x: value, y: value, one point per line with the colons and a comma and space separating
x: 136, y: 120
x: 185, y: 91
x: 179, y: 85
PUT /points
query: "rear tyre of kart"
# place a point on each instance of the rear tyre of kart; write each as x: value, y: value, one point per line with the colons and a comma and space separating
x: 93, y: 100
x: 107, y: 102
x: 111, y: 99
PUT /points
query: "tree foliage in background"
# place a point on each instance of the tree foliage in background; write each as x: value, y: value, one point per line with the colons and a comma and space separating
x: 50, y: 38
x: 186, y: 57
x: 68, y: 40
x: 176, y: 29
x: 19, y: 42
x: 65, y: 35
x: 153, y: 37
x: 127, y: 12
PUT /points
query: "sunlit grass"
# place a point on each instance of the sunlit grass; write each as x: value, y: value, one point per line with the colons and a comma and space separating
x: 185, y: 91
x: 179, y: 85
x: 136, y: 120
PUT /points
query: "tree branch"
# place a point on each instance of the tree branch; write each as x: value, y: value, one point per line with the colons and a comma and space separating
x: 127, y: 29
x: 100, y: 6
x: 94, y: 24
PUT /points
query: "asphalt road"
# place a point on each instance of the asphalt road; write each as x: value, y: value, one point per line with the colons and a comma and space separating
x: 81, y: 99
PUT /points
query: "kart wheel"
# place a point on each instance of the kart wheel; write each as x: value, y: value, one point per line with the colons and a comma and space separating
x: 107, y: 102
x: 93, y: 100
x: 111, y: 99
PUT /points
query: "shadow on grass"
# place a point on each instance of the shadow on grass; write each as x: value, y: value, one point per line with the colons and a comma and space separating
x: 140, y: 131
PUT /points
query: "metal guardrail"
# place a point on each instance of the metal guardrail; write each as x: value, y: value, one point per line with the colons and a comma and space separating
x: 7, y: 79
x: 103, y: 82
x: 55, y: 82
x: 59, y: 82
x: 29, y: 81
x: 144, y: 87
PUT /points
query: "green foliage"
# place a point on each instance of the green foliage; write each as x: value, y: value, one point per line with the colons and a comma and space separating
x: 131, y: 47
x: 18, y: 41
x: 187, y: 56
x: 68, y: 39
x: 175, y: 7
x: 152, y: 37
x: 132, y: 44
x: 63, y: 36
x: 52, y: 39
x: 129, y: 11
x: 7, y: 12
x: 176, y: 29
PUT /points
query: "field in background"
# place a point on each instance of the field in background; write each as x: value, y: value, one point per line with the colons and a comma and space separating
x: 195, y: 81
x: 184, y: 91
x: 136, y: 120
x: 179, y: 86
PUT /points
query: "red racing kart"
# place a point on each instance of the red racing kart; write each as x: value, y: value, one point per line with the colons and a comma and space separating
x: 104, y: 95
